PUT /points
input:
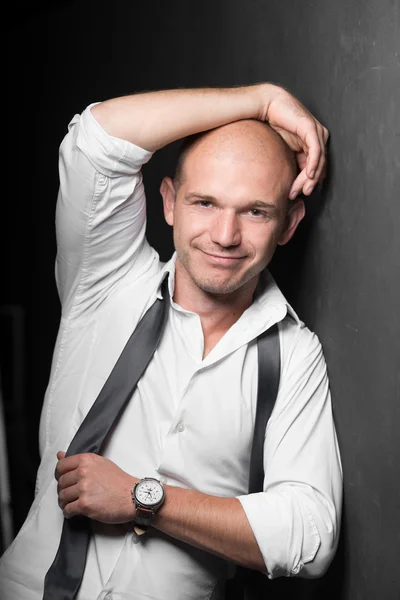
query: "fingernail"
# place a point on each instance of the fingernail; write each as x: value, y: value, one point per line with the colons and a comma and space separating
x: 293, y: 195
x: 308, y: 189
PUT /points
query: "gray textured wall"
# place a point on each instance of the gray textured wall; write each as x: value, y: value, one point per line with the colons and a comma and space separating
x: 342, y: 269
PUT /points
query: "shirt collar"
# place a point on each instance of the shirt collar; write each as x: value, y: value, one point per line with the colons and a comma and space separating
x: 268, y: 297
x: 268, y: 294
x: 168, y: 268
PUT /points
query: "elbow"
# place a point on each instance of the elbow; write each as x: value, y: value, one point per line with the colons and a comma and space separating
x: 318, y: 566
x: 313, y: 557
x: 298, y: 532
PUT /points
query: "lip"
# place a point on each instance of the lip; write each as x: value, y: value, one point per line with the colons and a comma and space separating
x: 224, y: 260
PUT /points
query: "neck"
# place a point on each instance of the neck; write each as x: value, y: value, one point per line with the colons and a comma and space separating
x: 216, y: 311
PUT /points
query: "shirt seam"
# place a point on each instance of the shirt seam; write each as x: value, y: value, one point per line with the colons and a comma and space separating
x: 317, y: 543
x: 53, y: 384
x: 282, y: 367
x: 100, y: 178
x: 83, y: 270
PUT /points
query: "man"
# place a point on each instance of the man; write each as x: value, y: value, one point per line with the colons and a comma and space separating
x: 190, y: 421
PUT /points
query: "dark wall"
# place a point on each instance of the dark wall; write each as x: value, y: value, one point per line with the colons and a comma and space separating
x: 341, y: 271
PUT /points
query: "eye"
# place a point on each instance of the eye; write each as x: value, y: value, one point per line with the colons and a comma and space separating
x: 255, y: 212
x: 205, y: 203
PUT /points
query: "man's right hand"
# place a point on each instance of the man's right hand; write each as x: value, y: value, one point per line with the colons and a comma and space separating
x: 154, y: 119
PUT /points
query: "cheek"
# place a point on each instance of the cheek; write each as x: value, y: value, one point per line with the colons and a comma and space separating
x: 190, y: 226
x: 264, y: 241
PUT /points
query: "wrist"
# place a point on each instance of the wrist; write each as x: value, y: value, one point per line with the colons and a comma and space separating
x: 246, y: 101
x: 267, y: 92
x: 130, y: 504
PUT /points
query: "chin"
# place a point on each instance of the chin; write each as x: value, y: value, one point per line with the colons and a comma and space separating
x: 215, y: 281
x: 213, y: 285
x: 217, y: 289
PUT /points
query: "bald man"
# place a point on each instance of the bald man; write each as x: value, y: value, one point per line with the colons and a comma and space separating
x: 181, y: 449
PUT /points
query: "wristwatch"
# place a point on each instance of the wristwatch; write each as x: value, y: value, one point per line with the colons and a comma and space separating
x: 148, y: 495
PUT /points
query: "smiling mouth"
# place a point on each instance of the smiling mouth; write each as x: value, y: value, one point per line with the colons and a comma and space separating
x: 223, y: 259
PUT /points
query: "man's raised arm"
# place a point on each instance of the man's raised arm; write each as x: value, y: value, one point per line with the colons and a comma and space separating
x: 101, y: 190
x: 152, y: 120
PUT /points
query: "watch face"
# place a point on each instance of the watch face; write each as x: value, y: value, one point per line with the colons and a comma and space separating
x: 149, y: 492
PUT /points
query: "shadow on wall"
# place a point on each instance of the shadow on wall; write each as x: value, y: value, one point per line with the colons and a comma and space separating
x: 289, y: 263
x: 289, y: 267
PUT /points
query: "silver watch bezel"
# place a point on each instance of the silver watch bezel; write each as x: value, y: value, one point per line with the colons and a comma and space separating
x: 152, y: 505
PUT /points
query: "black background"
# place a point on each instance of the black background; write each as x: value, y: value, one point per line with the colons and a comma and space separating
x: 341, y: 271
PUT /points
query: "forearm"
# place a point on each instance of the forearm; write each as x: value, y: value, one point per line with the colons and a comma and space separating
x: 218, y: 525
x: 152, y: 120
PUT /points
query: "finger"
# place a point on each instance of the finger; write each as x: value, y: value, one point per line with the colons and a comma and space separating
x: 301, y: 159
x: 66, y: 464
x: 302, y: 178
x: 299, y: 184
x: 67, y: 480
x: 308, y: 133
x: 325, y: 134
x: 323, y: 154
x: 323, y: 137
x: 71, y: 510
x: 60, y: 454
x: 314, y: 173
x: 320, y: 169
x: 70, y: 494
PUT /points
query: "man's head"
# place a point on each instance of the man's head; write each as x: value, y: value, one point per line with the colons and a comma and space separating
x: 228, y: 204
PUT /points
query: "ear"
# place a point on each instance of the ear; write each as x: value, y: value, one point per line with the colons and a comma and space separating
x: 168, y: 195
x: 294, y: 215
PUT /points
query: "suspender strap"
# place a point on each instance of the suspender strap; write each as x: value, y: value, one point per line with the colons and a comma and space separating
x: 269, y: 367
x: 64, y: 577
x: 247, y: 583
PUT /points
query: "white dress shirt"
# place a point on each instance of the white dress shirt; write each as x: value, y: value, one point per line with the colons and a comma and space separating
x: 190, y: 421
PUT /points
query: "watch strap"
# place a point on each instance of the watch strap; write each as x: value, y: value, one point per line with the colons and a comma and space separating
x: 142, y: 520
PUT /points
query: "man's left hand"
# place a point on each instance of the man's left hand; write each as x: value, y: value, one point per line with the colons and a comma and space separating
x: 95, y: 487
x: 303, y: 133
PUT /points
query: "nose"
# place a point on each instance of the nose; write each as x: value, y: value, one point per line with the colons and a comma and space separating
x: 225, y: 230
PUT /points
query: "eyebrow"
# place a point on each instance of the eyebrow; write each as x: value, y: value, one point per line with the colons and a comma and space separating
x: 251, y: 203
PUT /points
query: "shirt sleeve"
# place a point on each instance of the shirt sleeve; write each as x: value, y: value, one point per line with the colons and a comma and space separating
x: 100, y: 215
x: 296, y: 518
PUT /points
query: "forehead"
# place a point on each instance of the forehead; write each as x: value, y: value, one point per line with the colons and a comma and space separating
x: 236, y: 175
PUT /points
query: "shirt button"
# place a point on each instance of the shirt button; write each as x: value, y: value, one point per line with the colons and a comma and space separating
x: 180, y: 427
x: 108, y: 596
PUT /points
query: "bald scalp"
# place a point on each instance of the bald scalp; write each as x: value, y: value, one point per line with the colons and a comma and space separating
x: 249, y: 138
